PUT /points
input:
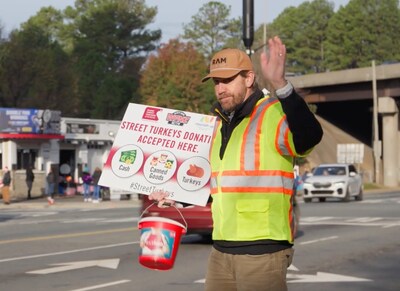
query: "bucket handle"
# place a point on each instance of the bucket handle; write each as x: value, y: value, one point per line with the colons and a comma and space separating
x: 180, y: 213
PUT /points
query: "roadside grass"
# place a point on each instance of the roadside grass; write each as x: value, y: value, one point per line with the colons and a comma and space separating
x: 373, y: 186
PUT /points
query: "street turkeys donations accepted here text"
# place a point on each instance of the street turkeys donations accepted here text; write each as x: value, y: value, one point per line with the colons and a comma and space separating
x: 162, y: 149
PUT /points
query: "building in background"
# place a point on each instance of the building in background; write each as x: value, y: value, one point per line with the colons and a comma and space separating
x: 43, y: 139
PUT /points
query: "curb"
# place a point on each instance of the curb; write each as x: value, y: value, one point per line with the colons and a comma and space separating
x: 70, y: 202
x: 382, y: 190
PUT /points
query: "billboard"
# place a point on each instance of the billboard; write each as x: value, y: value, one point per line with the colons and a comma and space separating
x: 17, y: 120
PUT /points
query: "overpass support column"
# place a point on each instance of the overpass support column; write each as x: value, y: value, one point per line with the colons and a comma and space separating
x: 390, y: 120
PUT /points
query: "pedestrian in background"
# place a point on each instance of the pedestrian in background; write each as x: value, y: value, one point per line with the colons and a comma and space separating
x: 96, y: 187
x: 50, y: 186
x: 87, y: 181
x: 252, y: 155
x: 6, y: 186
x: 29, y: 178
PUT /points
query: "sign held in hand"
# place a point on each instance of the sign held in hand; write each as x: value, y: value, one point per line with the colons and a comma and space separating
x: 162, y: 149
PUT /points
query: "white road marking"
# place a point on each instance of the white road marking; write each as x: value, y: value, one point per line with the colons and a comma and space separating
x: 319, y: 277
x: 67, y: 252
x: 381, y: 224
x: 315, y: 218
x: 102, y: 285
x: 384, y: 222
x: 372, y: 201
x: 293, y: 268
x: 36, y: 221
x: 93, y: 219
x: 30, y: 213
x: 318, y: 240
x: 323, y: 277
x: 132, y: 219
x: 62, y: 267
x: 391, y: 225
x: 364, y: 219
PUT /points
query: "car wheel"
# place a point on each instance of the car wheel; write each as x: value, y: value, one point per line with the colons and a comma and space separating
x: 322, y: 199
x: 307, y: 200
x: 347, y: 196
x: 359, y: 197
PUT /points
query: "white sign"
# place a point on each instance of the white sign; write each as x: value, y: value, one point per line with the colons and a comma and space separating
x: 162, y: 149
x: 352, y: 153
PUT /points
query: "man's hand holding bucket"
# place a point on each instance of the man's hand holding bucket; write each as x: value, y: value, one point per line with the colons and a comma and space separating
x: 162, y: 198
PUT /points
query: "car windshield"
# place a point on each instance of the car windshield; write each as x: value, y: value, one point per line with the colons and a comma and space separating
x: 330, y: 171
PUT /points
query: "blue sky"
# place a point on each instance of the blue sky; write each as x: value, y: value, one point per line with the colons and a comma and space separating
x: 171, y: 13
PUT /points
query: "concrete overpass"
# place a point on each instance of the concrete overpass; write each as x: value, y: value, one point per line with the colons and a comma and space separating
x: 345, y: 99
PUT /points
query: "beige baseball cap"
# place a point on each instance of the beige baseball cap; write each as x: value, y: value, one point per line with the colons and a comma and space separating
x: 228, y: 63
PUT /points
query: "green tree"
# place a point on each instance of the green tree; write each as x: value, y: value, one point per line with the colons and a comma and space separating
x: 1, y: 32
x: 303, y: 30
x: 55, y: 23
x: 34, y: 72
x: 172, y: 79
x: 109, y: 49
x: 362, y: 31
x: 211, y: 29
x: 311, y: 52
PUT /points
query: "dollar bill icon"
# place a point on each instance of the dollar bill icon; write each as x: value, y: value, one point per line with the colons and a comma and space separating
x: 128, y: 157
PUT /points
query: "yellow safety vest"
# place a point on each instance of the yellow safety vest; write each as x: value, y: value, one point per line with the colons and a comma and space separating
x: 252, y: 185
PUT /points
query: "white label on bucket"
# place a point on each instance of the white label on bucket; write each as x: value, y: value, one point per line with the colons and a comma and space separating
x: 157, y: 242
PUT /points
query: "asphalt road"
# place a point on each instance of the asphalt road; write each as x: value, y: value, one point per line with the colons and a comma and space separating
x: 75, y: 246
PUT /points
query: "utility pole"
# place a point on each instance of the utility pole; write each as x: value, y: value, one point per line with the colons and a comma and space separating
x: 377, y: 146
x: 248, y: 25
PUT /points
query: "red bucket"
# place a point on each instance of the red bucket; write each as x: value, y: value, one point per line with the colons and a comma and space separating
x: 159, y: 242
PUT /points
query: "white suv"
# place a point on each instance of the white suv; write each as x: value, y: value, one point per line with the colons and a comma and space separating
x: 333, y: 181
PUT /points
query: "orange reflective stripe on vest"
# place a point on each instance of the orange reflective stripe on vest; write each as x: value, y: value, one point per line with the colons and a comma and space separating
x: 254, y: 181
